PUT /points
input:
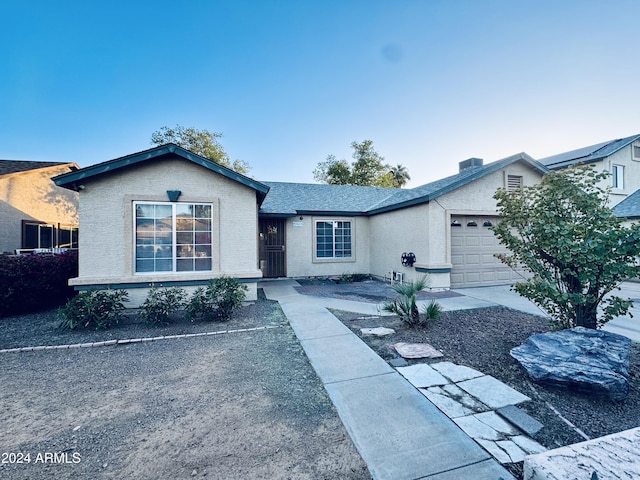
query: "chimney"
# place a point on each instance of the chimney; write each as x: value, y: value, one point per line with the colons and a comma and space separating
x: 470, y: 163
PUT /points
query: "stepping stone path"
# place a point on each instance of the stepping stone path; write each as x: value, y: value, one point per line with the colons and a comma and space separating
x: 471, y: 398
x: 416, y: 350
x: 377, y: 331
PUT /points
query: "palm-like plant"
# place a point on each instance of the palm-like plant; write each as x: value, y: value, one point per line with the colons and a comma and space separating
x: 400, y: 175
x: 404, y: 305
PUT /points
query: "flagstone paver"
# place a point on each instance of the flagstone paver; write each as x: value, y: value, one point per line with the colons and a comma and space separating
x: 492, y: 392
x: 422, y: 375
x: 446, y: 404
x: 456, y: 373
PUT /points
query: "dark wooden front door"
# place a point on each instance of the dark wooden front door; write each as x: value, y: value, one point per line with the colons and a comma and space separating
x: 272, y: 248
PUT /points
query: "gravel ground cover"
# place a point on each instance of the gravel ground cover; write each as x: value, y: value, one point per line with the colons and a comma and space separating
x: 236, y: 405
x: 482, y: 339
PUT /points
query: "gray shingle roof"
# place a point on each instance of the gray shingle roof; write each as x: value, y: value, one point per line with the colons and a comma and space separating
x: 629, y: 207
x: 587, y: 154
x: 303, y: 198
x: 170, y: 150
x: 16, y: 166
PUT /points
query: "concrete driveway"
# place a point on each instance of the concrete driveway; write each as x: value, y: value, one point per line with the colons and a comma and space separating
x: 476, y: 297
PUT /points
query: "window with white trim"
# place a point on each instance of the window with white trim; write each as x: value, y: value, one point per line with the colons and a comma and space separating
x: 333, y: 239
x: 635, y: 150
x: 173, y: 237
x: 617, y: 176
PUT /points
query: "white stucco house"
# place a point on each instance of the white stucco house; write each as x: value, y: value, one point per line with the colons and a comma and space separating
x: 166, y: 216
x: 35, y: 213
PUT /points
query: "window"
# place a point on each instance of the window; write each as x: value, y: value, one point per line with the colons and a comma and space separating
x: 617, y: 175
x: 635, y: 150
x: 514, y: 182
x: 333, y: 239
x: 37, y: 235
x: 173, y: 237
x: 46, y: 235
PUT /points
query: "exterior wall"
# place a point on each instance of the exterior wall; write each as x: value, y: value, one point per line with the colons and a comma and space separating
x: 475, y: 198
x: 32, y: 195
x: 398, y: 232
x: 300, y: 248
x: 106, y: 250
x: 631, y: 174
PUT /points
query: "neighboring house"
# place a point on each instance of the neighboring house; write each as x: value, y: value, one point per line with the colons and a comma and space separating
x: 620, y: 157
x: 166, y: 216
x: 35, y: 213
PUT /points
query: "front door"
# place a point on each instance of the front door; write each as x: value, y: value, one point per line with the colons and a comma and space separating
x: 272, y: 248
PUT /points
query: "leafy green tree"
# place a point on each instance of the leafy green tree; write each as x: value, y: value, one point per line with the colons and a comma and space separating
x: 201, y: 142
x: 577, y: 251
x: 367, y: 169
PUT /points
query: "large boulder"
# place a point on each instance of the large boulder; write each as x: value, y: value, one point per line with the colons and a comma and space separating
x: 580, y: 359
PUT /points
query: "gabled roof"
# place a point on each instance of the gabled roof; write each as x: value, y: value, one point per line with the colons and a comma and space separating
x: 589, y: 154
x: 73, y: 180
x: 16, y: 166
x: 629, y: 207
x: 290, y: 199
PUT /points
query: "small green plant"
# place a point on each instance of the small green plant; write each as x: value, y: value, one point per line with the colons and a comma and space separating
x: 93, y: 308
x: 432, y: 311
x: 404, y: 305
x: 353, y: 277
x: 222, y: 297
x: 160, y: 303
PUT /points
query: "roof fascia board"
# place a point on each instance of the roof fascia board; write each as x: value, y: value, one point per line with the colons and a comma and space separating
x: 68, y: 180
x: 488, y: 169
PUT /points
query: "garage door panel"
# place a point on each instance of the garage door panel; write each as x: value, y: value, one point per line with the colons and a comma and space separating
x: 472, y: 254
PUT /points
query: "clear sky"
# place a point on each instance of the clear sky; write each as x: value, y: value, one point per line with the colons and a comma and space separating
x: 289, y: 82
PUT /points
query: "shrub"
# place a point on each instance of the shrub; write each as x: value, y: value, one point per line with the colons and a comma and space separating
x: 30, y: 283
x: 404, y: 305
x: 160, y: 303
x: 93, y: 308
x: 353, y: 277
x: 222, y: 297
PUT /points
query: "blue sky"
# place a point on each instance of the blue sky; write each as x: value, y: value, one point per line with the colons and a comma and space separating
x: 287, y: 83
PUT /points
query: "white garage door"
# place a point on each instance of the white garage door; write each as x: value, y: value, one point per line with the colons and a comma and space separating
x: 473, y: 245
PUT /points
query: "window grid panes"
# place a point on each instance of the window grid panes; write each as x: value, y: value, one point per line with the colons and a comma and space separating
x: 173, y: 237
x: 333, y: 239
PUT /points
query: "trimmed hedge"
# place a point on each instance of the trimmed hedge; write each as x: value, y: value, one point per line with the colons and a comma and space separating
x: 30, y: 283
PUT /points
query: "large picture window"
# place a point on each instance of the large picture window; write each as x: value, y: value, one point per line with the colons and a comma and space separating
x: 173, y: 237
x: 333, y: 239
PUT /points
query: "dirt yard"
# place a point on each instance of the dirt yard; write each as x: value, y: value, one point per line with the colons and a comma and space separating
x: 243, y: 405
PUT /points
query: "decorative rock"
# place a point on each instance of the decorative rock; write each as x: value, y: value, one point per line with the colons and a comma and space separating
x: 416, y: 350
x: 520, y: 419
x: 579, y: 358
x: 377, y: 331
x: 398, y: 362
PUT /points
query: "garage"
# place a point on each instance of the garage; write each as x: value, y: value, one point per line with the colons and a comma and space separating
x: 473, y: 246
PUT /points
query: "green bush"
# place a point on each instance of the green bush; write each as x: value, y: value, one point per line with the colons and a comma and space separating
x: 162, y: 302
x: 222, y: 297
x: 404, y: 305
x: 353, y: 277
x: 93, y: 308
x: 30, y: 283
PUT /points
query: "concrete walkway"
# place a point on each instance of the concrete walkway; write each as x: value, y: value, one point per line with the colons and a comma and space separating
x: 399, y: 434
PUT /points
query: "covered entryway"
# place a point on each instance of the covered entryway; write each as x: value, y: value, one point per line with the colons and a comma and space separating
x: 272, y: 248
x: 473, y: 246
